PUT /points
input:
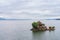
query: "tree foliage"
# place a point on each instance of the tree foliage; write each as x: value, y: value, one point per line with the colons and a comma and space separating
x: 34, y: 24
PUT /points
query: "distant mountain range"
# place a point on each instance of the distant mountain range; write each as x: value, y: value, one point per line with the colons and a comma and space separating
x: 30, y: 19
x: 53, y: 18
x: 2, y: 19
x: 13, y: 19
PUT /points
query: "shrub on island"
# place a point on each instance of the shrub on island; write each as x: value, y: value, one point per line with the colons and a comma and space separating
x: 34, y: 25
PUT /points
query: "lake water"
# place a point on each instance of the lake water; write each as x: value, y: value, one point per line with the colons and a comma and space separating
x: 20, y: 30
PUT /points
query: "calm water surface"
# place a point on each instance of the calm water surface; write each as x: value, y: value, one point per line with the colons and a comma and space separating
x: 20, y: 30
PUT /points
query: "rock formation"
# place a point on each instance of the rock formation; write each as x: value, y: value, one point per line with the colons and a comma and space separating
x: 39, y: 26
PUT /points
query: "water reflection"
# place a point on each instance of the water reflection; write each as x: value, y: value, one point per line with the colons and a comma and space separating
x: 20, y: 30
x: 38, y: 35
x: 47, y: 35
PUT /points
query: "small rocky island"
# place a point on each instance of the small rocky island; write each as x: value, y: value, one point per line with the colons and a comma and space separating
x: 39, y: 26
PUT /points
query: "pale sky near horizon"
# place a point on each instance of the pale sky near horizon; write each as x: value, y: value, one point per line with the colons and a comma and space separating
x: 24, y: 9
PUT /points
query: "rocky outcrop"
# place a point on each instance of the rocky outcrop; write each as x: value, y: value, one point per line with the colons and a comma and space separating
x: 39, y: 26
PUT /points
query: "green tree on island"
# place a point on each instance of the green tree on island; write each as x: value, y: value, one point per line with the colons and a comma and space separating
x: 34, y: 24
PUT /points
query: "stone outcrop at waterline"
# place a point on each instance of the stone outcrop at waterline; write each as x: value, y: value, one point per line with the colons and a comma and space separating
x: 39, y: 26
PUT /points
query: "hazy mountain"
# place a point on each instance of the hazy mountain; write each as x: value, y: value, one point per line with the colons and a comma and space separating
x: 2, y: 18
x: 12, y: 19
x: 49, y: 18
x: 53, y: 18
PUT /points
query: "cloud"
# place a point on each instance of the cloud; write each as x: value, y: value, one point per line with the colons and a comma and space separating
x: 41, y: 12
x: 4, y: 2
x: 29, y: 8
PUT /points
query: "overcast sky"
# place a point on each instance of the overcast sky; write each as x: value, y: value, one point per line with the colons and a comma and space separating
x: 24, y: 9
